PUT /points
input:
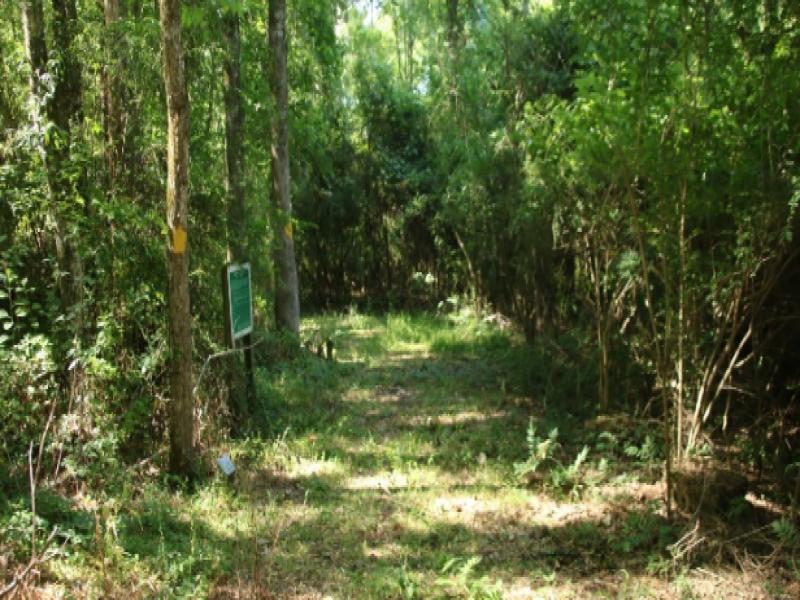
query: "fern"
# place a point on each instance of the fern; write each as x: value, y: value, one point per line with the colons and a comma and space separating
x: 540, y: 450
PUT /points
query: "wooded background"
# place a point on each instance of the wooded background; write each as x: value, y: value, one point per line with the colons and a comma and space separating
x: 619, y: 177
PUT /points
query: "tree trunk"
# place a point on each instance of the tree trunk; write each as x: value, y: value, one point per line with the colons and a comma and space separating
x: 64, y: 110
x: 66, y: 104
x: 234, y: 185
x: 180, y: 335
x: 35, y: 47
x: 287, y: 301
x: 8, y: 112
x: 234, y: 149
x: 454, y: 33
x: 455, y: 25
x: 60, y: 103
x: 113, y: 94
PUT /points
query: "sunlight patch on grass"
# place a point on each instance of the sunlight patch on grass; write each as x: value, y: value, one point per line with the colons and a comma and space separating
x: 468, y: 416
x: 552, y: 513
x: 380, y: 481
x: 389, y: 550
x: 357, y: 394
x: 461, y: 508
x: 363, y: 333
x: 307, y: 468
x: 389, y: 394
x: 521, y: 589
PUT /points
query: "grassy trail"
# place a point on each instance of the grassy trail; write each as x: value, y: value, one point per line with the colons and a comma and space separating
x: 395, y: 479
x: 399, y: 487
x: 389, y: 473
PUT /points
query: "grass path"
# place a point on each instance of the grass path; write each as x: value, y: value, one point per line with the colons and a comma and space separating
x: 401, y: 489
x: 389, y: 473
x: 398, y: 482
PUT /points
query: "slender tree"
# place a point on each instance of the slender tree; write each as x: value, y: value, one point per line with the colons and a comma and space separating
x: 234, y: 149
x: 236, y: 231
x: 35, y: 46
x: 287, y: 302
x: 56, y: 99
x: 113, y: 96
x: 180, y: 334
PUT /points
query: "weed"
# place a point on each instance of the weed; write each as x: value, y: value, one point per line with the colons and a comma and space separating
x: 458, y: 576
x: 541, y: 451
x: 644, y: 531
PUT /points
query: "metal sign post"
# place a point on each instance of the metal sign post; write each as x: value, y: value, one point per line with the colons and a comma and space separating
x: 238, y: 298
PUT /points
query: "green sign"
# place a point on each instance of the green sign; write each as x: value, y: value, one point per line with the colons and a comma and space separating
x: 240, y: 300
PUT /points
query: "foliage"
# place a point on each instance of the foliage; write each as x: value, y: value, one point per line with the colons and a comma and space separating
x: 27, y: 391
x: 616, y: 182
x: 540, y: 451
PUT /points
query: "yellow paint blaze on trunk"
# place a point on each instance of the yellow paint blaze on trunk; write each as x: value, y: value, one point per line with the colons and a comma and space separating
x: 179, y: 237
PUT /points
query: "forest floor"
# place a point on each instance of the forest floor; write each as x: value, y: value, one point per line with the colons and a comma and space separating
x: 390, y: 473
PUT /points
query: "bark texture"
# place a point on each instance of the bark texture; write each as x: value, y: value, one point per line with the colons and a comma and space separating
x: 114, y: 93
x: 56, y: 99
x: 181, y: 459
x: 234, y: 148
x: 35, y: 46
x: 287, y: 301
x: 236, y: 231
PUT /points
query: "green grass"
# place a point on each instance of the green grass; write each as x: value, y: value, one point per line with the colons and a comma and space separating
x: 388, y: 473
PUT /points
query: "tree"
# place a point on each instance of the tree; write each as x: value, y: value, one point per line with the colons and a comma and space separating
x: 236, y: 233
x: 114, y: 95
x: 57, y: 97
x: 234, y: 149
x: 180, y: 335
x: 287, y: 301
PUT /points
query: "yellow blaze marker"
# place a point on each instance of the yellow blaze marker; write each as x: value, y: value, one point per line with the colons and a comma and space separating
x: 179, y: 240
x: 287, y: 229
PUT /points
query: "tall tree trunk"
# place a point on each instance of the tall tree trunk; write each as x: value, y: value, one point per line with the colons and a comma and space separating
x: 61, y: 105
x: 181, y: 457
x: 36, y: 49
x: 66, y: 104
x: 65, y: 109
x: 455, y: 31
x: 234, y: 149
x: 455, y: 25
x: 236, y: 230
x: 35, y: 46
x: 113, y: 93
x: 287, y: 301
x: 8, y: 112
x: 56, y: 98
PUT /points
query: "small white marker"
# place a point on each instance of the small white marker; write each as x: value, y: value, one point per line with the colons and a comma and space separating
x: 226, y: 464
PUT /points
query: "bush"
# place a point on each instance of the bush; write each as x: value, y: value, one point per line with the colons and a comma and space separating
x: 28, y: 390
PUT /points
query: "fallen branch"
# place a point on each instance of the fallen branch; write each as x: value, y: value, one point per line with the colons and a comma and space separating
x: 222, y: 354
x: 33, y: 475
x: 690, y: 540
x: 32, y: 564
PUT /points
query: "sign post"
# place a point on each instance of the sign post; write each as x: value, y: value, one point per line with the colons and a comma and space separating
x: 238, y: 298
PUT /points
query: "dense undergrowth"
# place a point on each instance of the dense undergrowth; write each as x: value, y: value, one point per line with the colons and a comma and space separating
x: 436, y: 456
